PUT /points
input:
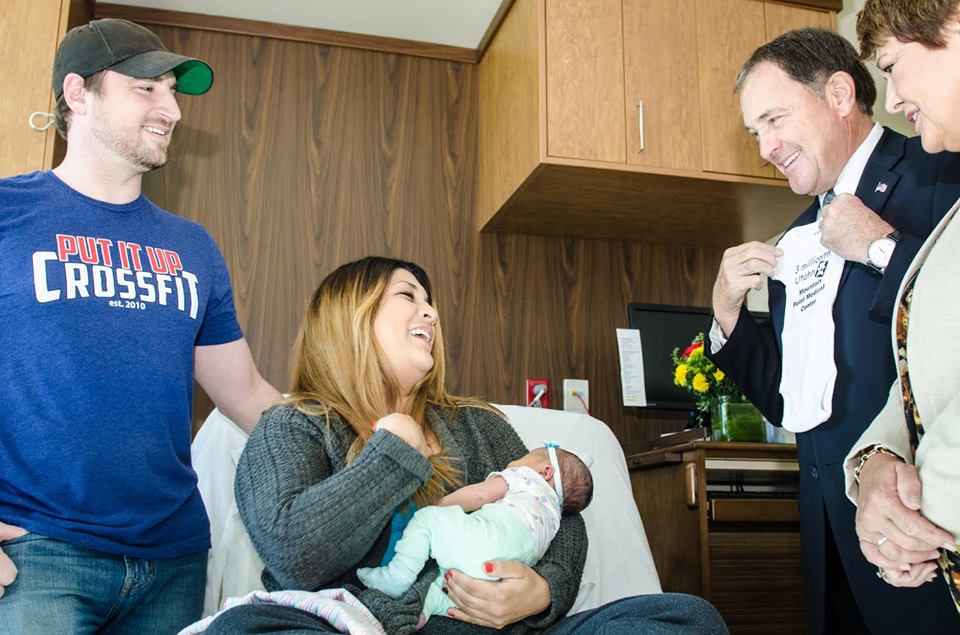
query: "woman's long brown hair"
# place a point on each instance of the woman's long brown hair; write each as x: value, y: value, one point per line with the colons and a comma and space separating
x: 338, y: 365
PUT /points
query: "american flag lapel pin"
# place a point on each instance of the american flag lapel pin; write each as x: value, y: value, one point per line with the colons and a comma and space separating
x: 881, y: 187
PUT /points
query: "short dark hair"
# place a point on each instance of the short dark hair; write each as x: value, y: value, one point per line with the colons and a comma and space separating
x: 62, y: 114
x: 810, y: 56
x: 919, y: 21
x: 577, y: 482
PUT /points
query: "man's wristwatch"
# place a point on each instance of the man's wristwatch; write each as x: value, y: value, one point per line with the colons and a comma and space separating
x: 880, y: 251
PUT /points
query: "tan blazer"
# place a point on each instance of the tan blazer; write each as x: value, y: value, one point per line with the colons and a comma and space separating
x: 933, y: 353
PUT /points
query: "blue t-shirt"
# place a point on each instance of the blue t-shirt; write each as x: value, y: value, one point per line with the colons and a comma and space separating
x: 398, y: 522
x: 101, y: 307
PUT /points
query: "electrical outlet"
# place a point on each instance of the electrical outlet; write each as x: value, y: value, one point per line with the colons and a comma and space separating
x: 533, y: 388
x: 571, y: 389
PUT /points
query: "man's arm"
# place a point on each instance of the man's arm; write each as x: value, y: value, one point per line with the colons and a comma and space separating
x: 751, y: 359
x: 473, y: 497
x: 742, y: 268
x: 849, y: 227
x: 749, y: 355
x: 227, y: 373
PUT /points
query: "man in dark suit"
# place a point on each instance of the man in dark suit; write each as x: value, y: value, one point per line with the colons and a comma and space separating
x: 808, y: 101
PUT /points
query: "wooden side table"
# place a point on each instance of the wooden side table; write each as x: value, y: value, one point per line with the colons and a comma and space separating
x: 723, y: 523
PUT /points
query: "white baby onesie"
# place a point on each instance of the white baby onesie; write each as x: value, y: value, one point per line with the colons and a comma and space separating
x: 811, y: 274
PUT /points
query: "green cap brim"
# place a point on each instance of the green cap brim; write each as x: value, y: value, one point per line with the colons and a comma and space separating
x: 194, y: 77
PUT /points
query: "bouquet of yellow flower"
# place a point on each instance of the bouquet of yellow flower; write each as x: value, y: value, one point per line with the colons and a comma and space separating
x: 693, y: 371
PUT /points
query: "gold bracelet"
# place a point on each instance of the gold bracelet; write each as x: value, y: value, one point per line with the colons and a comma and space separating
x: 866, y: 454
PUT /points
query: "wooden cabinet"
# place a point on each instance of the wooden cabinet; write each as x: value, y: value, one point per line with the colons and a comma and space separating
x: 781, y: 18
x: 585, y: 80
x: 729, y: 31
x: 661, y: 84
x: 617, y: 119
x: 29, y: 33
x: 722, y: 522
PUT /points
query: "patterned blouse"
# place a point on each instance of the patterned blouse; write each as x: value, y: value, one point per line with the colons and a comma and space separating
x: 949, y: 561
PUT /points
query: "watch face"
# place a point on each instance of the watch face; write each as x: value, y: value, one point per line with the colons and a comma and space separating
x: 880, y: 251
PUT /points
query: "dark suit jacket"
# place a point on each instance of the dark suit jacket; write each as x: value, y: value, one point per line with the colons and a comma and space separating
x: 920, y: 188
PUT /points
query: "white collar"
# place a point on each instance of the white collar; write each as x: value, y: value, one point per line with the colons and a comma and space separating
x: 850, y: 174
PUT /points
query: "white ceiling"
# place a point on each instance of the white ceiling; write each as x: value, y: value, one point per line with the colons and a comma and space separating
x: 450, y: 22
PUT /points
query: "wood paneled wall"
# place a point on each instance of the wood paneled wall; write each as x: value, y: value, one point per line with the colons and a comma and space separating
x: 305, y: 156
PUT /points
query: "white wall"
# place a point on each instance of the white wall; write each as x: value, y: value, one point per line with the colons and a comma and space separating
x: 847, y: 27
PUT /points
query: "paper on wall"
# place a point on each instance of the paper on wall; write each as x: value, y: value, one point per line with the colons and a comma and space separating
x: 631, y: 367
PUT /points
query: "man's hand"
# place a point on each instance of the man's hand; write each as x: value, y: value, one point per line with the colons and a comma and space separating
x: 743, y: 268
x: 893, y: 533
x: 849, y: 227
x: 518, y: 593
x: 8, y: 570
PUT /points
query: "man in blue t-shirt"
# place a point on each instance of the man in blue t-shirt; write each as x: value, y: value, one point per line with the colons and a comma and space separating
x: 111, y: 307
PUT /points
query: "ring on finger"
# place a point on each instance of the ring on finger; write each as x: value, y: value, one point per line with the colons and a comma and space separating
x: 881, y: 574
x: 881, y: 540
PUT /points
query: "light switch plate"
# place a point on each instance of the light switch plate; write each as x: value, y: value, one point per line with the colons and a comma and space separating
x: 570, y: 401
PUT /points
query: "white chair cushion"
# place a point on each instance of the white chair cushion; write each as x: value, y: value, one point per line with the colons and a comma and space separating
x: 233, y: 567
x: 619, y: 563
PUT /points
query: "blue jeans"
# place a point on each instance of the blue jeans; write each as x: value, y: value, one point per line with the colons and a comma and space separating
x: 65, y: 589
x: 661, y: 614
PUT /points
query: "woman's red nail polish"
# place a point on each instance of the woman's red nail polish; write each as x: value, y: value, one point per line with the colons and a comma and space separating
x: 448, y: 575
x: 450, y: 613
x: 373, y: 424
x: 488, y: 567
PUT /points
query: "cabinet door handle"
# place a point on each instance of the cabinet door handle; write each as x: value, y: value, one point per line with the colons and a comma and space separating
x: 643, y: 146
x: 690, y: 484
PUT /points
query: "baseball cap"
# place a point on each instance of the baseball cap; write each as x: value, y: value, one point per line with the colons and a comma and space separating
x: 128, y: 49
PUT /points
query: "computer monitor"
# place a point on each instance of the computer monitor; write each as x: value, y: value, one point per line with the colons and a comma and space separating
x: 664, y: 327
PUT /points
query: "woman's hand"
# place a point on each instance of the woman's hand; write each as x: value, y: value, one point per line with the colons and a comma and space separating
x: 519, y: 592
x: 407, y: 429
x: 893, y: 533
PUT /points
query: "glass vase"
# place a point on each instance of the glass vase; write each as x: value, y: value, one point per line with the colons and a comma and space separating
x: 736, y: 421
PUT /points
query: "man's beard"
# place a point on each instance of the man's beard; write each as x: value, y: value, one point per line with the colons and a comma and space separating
x: 131, y: 146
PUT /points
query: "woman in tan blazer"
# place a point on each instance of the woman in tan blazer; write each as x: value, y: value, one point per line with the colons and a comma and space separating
x: 904, y: 472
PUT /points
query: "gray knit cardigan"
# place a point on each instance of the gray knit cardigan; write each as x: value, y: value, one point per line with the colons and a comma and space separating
x: 314, y: 519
